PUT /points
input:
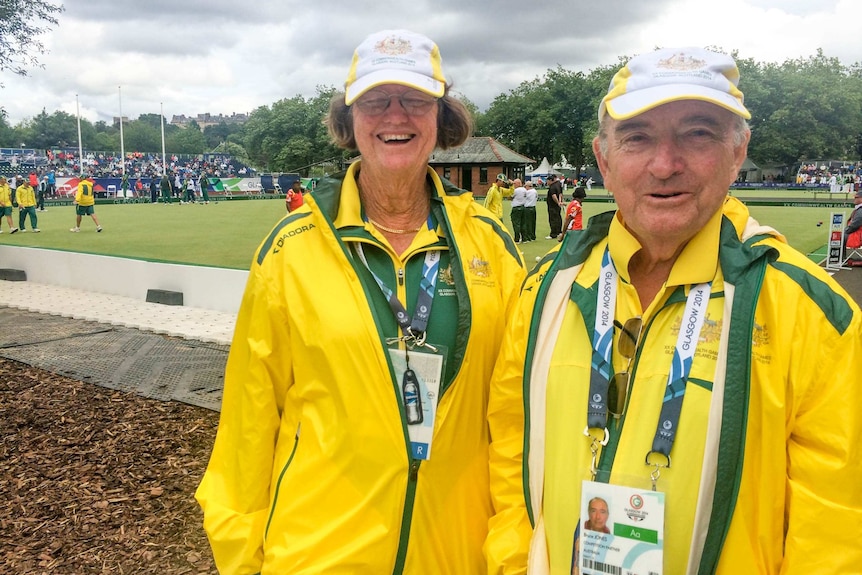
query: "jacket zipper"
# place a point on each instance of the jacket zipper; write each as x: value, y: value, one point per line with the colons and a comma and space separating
x: 280, y: 477
x: 407, y: 517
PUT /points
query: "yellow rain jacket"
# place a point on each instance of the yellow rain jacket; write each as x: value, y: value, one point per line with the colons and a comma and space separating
x: 766, y: 466
x: 5, y: 195
x: 312, y: 471
x: 25, y: 196
x: 494, y: 198
x: 85, y: 195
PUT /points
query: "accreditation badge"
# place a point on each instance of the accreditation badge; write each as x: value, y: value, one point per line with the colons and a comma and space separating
x: 418, y: 374
x: 621, y: 531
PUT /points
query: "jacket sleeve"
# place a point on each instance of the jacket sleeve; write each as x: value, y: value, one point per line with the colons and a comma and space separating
x: 508, y: 542
x: 235, y: 491
x: 824, y: 450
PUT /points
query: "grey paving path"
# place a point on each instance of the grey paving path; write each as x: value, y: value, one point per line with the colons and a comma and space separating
x: 154, y: 365
x: 158, y: 351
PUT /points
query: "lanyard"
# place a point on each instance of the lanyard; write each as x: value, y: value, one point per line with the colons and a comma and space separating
x: 414, y: 329
x: 677, y: 378
x: 601, y: 364
x: 603, y: 340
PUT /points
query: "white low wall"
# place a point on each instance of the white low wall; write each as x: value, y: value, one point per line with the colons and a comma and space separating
x: 202, y: 287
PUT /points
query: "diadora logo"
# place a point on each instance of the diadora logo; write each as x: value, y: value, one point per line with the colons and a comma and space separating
x: 290, y: 234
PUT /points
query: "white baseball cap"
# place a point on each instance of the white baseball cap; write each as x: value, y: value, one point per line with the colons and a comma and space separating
x: 672, y: 74
x: 395, y: 57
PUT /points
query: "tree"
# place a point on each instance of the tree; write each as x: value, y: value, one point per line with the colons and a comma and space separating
x: 802, y: 109
x: 47, y: 131
x: 290, y: 136
x: 188, y: 140
x: 547, y: 117
x: 21, y: 24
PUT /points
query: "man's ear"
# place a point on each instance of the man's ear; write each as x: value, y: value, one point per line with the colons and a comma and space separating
x: 740, y: 152
x: 601, y: 161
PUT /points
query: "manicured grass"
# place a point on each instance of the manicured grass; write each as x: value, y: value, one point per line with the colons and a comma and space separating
x: 797, y: 224
x: 226, y: 234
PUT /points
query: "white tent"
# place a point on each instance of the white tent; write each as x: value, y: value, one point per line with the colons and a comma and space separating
x: 543, y: 170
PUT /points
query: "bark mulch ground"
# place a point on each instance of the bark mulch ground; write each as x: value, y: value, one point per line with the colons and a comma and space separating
x: 97, y: 481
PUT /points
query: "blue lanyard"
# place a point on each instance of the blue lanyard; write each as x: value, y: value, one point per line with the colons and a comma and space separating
x: 413, y: 330
x: 603, y: 341
x: 680, y: 369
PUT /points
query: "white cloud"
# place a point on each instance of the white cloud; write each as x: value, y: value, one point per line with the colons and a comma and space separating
x: 217, y: 56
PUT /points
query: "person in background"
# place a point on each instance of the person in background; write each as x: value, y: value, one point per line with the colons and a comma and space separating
x: 124, y: 186
x: 154, y: 190
x: 854, y: 225
x: 13, y: 189
x: 574, y: 212
x: 188, y: 190
x: 167, y: 189
x: 41, y: 192
x: 293, y: 198
x: 494, y: 198
x: 555, y: 206
x: 6, y: 205
x: 85, y: 205
x: 519, y: 198
x: 27, y: 206
x: 52, y: 184
x: 530, y: 199
x: 353, y: 436
x: 679, y: 347
x: 204, y: 185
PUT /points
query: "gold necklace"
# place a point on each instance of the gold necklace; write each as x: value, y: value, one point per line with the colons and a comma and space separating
x: 393, y: 231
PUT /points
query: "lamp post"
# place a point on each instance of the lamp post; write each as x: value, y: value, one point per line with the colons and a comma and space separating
x: 80, y: 148
x: 122, y: 145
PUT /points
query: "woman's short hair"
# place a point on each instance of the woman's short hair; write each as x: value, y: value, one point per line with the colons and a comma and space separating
x: 454, y: 122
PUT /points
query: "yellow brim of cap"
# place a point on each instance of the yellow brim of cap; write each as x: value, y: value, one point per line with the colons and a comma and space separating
x: 632, y: 104
x: 419, y: 82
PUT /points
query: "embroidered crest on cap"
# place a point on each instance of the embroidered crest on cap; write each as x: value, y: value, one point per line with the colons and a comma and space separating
x: 393, y: 46
x: 680, y: 61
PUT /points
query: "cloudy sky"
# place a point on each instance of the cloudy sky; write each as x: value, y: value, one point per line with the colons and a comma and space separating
x: 222, y: 56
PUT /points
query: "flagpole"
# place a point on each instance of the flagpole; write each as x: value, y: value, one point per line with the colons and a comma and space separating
x: 122, y: 145
x: 80, y: 147
x: 162, y: 116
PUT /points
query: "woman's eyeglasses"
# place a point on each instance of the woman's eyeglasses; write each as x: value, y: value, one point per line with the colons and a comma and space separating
x: 413, y: 103
x: 627, y: 345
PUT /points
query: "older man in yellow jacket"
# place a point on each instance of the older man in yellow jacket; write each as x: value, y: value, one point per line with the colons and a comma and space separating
x: 680, y: 361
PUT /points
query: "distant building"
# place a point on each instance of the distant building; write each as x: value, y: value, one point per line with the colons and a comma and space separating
x: 475, y: 164
x: 207, y: 119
